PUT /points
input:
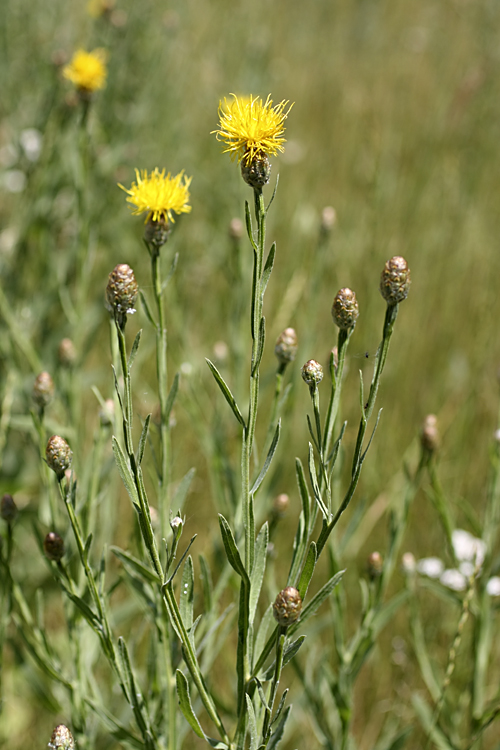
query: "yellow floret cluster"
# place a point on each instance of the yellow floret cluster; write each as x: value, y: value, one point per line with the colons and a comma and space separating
x: 87, y: 70
x: 159, y: 194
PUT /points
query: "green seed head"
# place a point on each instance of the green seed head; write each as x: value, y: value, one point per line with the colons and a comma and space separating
x: 286, y: 346
x: 395, y: 280
x: 8, y: 509
x: 287, y: 606
x: 258, y: 172
x: 312, y: 373
x: 43, y: 390
x: 62, y: 739
x: 121, y: 291
x: 58, y: 455
x: 53, y: 546
x: 345, y: 309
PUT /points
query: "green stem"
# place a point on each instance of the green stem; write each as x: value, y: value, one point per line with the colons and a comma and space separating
x: 280, y: 652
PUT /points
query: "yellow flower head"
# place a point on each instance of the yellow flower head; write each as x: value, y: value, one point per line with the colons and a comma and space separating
x: 159, y: 195
x: 87, y: 70
x: 98, y: 8
x: 251, y: 128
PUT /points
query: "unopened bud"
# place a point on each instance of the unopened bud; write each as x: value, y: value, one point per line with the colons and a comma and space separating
x: 287, y: 606
x: 107, y: 413
x: 156, y: 233
x: 429, y: 436
x: 8, y: 509
x: 408, y: 563
x: 58, y: 455
x: 175, y: 523
x: 53, y: 546
x: 62, y: 739
x: 121, y: 291
x: 312, y: 373
x: 395, y: 280
x: 328, y: 218
x: 236, y: 229
x: 345, y: 309
x: 281, y: 504
x: 43, y: 390
x: 258, y: 172
x: 67, y: 353
x: 286, y: 346
x: 375, y: 565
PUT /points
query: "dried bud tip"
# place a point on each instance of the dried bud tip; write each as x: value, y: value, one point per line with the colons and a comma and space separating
x: 53, y: 546
x: 286, y: 346
x: 281, y: 504
x: 8, y: 509
x: 58, y: 455
x: 258, y: 172
x: 345, y: 309
x: 312, y: 373
x: 121, y: 291
x: 375, y: 565
x: 43, y: 390
x: 236, y: 229
x: 287, y: 606
x: 328, y: 218
x: 62, y: 739
x: 395, y: 280
x: 66, y: 353
x: 429, y: 435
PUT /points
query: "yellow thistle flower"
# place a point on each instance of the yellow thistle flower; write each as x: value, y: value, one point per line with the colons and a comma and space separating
x: 251, y: 128
x: 87, y: 70
x: 98, y: 8
x: 159, y: 195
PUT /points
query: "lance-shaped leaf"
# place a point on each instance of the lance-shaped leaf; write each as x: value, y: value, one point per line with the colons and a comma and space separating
x: 172, y: 396
x: 258, y: 569
x: 186, y: 705
x: 226, y: 392
x: 133, y: 351
x: 125, y: 473
x: 308, y: 570
x: 269, y: 458
x: 317, y: 601
x: 277, y: 735
x: 267, y: 269
x: 142, y: 441
x: 232, y: 552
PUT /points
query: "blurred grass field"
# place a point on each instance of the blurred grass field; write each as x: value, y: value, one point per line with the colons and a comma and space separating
x: 395, y: 123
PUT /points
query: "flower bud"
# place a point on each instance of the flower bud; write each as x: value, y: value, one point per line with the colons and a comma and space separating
x: 287, y: 606
x: 286, y: 346
x: 121, y: 291
x: 156, y: 233
x: 312, y: 373
x: 408, y: 563
x: 281, y: 504
x: 53, y: 546
x: 8, y: 509
x: 58, y: 455
x: 375, y: 564
x: 66, y: 353
x: 429, y: 435
x: 236, y: 229
x: 345, y: 309
x: 258, y: 172
x: 328, y: 219
x: 62, y: 739
x: 107, y: 413
x: 395, y: 280
x: 43, y: 390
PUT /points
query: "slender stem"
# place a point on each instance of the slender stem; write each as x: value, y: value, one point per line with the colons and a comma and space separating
x: 161, y: 372
x: 280, y: 652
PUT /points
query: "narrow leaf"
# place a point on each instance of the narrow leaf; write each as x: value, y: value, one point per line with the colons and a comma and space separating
x: 252, y: 723
x: 133, y: 351
x: 232, y: 552
x: 187, y: 593
x: 142, y: 441
x: 173, y: 269
x: 147, y: 310
x: 315, y: 485
x: 136, y: 565
x: 269, y: 458
x: 280, y: 707
x: 277, y: 735
x: 307, y: 571
x: 317, y: 601
x: 248, y: 220
x: 268, y: 269
x: 260, y: 345
x: 186, y: 705
x: 226, y: 392
x: 171, y: 396
x: 125, y: 473
x: 258, y: 569
x: 290, y: 652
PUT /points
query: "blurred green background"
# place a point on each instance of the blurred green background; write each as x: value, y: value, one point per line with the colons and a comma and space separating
x: 395, y: 124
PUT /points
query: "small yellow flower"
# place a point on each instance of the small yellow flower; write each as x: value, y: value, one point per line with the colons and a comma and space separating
x: 159, y: 195
x: 251, y: 128
x: 87, y: 70
x: 98, y: 8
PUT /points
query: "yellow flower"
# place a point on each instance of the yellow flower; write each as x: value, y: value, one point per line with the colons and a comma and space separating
x: 87, y: 70
x: 251, y: 128
x: 98, y: 8
x: 159, y: 195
